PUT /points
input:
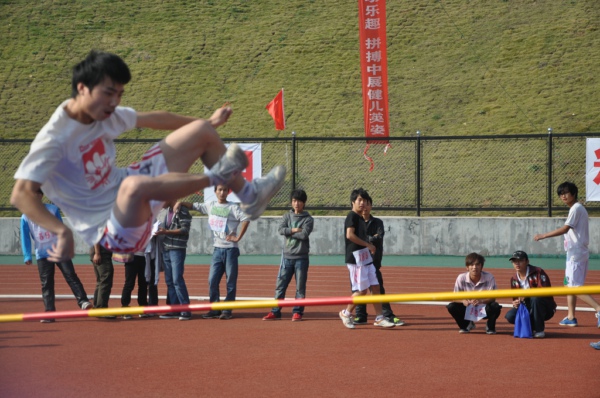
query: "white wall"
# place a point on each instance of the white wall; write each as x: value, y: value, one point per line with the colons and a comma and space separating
x: 403, y: 236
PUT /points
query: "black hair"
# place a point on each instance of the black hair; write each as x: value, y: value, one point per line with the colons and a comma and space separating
x: 299, y: 194
x: 95, y: 67
x: 360, y: 192
x: 473, y: 257
x: 567, y: 187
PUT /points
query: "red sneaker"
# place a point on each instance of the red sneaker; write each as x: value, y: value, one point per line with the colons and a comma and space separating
x: 271, y: 317
x: 296, y: 317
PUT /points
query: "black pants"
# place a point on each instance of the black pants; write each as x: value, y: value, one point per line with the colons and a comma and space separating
x: 540, y: 310
x: 458, y: 310
x: 152, y: 288
x: 361, y: 309
x: 46, y: 269
x: 104, y: 280
x: 135, y: 269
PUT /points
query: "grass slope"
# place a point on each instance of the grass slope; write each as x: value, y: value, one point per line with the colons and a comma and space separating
x: 455, y: 67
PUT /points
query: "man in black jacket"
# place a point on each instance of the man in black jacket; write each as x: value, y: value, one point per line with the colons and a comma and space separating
x: 527, y: 276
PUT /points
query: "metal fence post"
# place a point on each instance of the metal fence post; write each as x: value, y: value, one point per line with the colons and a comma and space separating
x: 418, y: 172
x: 550, y: 171
x: 294, y: 154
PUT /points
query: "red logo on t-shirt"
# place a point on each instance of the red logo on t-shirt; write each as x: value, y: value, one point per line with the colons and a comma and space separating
x: 96, y: 164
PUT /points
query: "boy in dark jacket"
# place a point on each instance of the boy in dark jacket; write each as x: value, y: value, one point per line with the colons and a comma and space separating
x: 296, y: 225
x: 375, y: 233
x: 540, y: 309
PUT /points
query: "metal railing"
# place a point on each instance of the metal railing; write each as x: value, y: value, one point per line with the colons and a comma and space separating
x: 420, y: 175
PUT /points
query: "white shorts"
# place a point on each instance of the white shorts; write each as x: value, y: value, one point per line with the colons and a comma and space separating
x: 575, y: 272
x: 130, y: 240
x: 362, y: 276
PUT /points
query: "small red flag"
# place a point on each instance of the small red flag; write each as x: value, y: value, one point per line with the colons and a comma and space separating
x: 275, y: 109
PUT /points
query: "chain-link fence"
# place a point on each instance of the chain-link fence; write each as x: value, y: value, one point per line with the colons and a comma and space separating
x: 471, y: 175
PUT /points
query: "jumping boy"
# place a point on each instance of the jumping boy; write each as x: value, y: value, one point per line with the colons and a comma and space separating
x: 73, y: 159
x: 577, y: 236
x: 295, y: 226
x: 359, y: 260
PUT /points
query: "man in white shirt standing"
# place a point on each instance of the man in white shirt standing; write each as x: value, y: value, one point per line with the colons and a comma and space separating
x: 577, y: 236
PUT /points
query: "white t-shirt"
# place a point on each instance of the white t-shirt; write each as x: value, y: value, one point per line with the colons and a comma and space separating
x: 578, y: 236
x: 75, y: 163
x: 223, y: 219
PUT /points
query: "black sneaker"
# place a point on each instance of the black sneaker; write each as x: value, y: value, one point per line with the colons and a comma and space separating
x: 212, y: 315
x: 170, y: 315
x: 47, y: 320
x: 185, y: 317
x: 360, y: 321
x: 226, y: 315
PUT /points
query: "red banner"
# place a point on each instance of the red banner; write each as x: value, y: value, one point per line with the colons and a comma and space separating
x: 373, y: 63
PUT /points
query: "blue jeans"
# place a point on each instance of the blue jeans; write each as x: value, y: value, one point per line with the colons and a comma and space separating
x: 224, y: 261
x: 176, y: 290
x: 292, y: 267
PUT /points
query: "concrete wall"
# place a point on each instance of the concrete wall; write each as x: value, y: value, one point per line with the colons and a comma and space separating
x: 404, y: 236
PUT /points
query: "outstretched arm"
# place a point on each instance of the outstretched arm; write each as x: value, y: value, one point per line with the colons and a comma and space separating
x: 557, y: 232
x: 161, y: 120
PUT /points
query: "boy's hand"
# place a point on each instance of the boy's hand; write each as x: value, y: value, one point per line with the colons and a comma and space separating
x: 538, y: 237
x: 97, y: 259
x: 232, y: 237
x: 220, y: 116
x: 371, y: 248
x: 64, y: 249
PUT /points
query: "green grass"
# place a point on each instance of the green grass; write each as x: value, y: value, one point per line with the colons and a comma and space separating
x: 455, y: 67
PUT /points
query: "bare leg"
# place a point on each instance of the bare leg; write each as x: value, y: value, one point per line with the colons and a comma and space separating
x: 571, y: 303
x: 132, y: 207
x: 589, y: 300
x: 199, y: 139
x: 351, y: 307
x: 377, y: 306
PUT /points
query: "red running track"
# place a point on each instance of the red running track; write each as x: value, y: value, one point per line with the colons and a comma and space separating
x: 249, y: 357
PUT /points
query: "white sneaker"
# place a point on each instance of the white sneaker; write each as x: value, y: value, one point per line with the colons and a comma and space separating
x: 348, y: 322
x: 230, y: 165
x: 266, y: 187
x: 384, y: 323
x: 539, y: 335
x: 86, y: 305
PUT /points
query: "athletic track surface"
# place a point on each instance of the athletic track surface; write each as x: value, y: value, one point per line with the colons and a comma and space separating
x: 318, y: 357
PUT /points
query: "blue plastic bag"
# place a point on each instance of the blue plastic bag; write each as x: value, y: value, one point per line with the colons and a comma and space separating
x: 523, y: 323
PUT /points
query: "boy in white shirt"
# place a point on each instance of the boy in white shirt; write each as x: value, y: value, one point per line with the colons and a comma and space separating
x: 576, y: 232
x: 73, y: 159
x: 224, y: 217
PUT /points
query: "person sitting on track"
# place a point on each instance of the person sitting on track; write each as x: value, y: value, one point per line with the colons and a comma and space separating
x: 475, y: 279
x: 527, y: 276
